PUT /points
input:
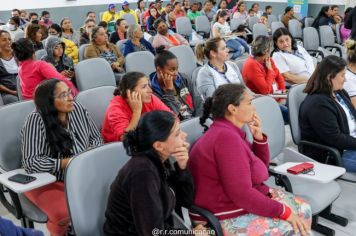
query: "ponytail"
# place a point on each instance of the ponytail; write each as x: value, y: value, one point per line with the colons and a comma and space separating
x: 199, y: 52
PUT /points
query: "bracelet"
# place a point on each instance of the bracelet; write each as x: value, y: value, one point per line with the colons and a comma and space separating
x: 286, y: 212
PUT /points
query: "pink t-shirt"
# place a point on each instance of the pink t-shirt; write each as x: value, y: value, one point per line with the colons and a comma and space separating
x: 33, y: 72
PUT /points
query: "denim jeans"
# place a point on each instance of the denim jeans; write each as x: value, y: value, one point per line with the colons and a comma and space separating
x: 349, y: 159
x: 285, y: 114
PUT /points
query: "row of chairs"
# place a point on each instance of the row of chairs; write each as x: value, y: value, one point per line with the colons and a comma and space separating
x: 84, y: 200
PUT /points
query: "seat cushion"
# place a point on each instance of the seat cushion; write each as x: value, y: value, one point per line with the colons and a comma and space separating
x: 31, y: 211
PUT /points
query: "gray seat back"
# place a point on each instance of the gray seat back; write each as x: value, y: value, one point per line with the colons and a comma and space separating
x: 12, y: 118
x: 295, y: 98
x: 240, y: 63
x: 272, y: 18
x: 120, y: 45
x: 94, y: 72
x: 234, y: 23
x: 40, y: 53
x: 130, y: 19
x: 327, y: 37
x: 186, y: 59
x: 82, y: 51
x: 295, y: 28
x: 140, y: 62
x: 276, y: 25
x: 19, y: 35
x: 193, y: 129
x: 184, y: 26
x: 337, y: 32
x: 252, y: 20
x: 96, y: 101
x: 259, y: 29
x: 18, y: 87
x: 87, y: 193
x: 310, y: 38
x: 202, y: 24
x: 272, y: 123
x: 308, y: 21
x: 1, y: 101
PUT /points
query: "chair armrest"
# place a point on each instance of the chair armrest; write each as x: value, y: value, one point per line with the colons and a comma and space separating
x: 14, y: 207
x: 334, y: 154
x: 281, y: 180
x: 315, y: 52
x: 334, y: 47
x: 213, y: 222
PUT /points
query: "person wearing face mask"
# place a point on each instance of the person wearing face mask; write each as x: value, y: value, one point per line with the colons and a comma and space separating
x: 120, y: 33
x: 12, y: 26
x: 166, y: 39
x: 132, y: 98
x: 291, y: 59
x: 45, y: 19
x: 136, y: 41
x: 85, y: 36
x: 173, y: 88
x: 8, y: 69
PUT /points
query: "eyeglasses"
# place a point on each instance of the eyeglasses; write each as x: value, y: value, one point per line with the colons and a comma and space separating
x: 64, y: 95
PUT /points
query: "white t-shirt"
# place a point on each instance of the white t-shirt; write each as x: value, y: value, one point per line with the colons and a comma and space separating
x: 350, y: 83
x: 10, y: 65
x: 288, y: 62
x: 223, y: 29
x: 230, y: 76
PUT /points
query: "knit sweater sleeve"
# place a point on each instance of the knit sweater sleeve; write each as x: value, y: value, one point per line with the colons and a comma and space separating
x: 235, y: 173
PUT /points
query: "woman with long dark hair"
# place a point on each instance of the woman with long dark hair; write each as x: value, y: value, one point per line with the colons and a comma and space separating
x: 57, y: 130
x: 33, y: 32
x: 224, y: 161
x: 147, y: 189
x: 327, y: 99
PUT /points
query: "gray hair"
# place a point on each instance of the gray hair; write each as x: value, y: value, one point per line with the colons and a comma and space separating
x: 261, y: 45
x: 131, y: 30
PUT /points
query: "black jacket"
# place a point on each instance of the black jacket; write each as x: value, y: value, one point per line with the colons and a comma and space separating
x: 323, y: 120
x: 350, y: 23
x: 6, y: 79
x: 143, y: 196
x: 114, y: 37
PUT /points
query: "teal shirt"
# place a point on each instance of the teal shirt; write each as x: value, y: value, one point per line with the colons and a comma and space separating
x: 194, y: 15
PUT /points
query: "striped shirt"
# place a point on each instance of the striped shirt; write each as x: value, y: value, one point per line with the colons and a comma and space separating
x: 36, y: 152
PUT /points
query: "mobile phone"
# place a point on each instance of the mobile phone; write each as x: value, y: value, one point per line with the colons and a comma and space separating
x: 303, y: 168
x: 22, y: 179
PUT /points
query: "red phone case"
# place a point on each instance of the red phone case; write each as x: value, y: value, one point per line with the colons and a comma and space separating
x: 300, y: 168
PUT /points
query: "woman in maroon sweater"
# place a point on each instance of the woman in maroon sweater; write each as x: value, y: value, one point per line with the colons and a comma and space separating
x: 230, y: 184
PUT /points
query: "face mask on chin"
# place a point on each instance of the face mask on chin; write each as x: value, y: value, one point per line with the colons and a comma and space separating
x: 11, y: 27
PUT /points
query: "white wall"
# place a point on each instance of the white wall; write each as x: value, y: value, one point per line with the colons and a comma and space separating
x: 34, y: 4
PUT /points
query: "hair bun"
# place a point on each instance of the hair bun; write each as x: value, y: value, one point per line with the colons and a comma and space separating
x: 160, y: 49
x: 130, y: 142
x: 350, y: 44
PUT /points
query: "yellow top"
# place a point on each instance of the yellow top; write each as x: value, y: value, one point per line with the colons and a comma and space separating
x: 108, y: 16
x: 71, y: 50
x: 132, y: 12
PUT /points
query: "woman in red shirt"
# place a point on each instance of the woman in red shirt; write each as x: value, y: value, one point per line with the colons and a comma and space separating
x: 224, y: 161
x: 32, y: 72
x: 261, y: 74
x: 132, y: 98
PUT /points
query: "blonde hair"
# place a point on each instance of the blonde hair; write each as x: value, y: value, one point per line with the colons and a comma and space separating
x: 350, y: 45
x: 202, y: 50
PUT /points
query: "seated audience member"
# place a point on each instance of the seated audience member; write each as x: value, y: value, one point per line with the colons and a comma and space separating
x: 153, y: 16
x: 55, y: 48
x: 268, y: 10
x: 44, y: 32
x: 110, y: 14
x: 338, y: 19
x: 217, y: 71
x: 71, y: 50
x: 324, y: 18
x: 8, y: 69
x: 173, y: 88
x: 140, y: 8
x: 176, y: 13
x: 236, y: 171
x: 168, y: 9
x: 256, y: 10
x: 264, y: 20
x: 344, y: 32
x: 208, y: 10
x: 32, y: 72
x: 105, y: 26
x: 68, y: 32
x: 222, y: 6
x: 45, y: 19
x: 193, y: 13
x: 23, y: 19
x: 126, y: 10
x: 85, y: 36
x: 288, y: 15
x: 7, y: 227
x: 132, y: 98
x: 350, y: 23
x: 120, y: 33
x: 136, y: 42
x: 251, y: 13
x: 101, y: 47
x: 32, y: 16
x: 327, y: 99
x: 165, y: 38
x: 241, y: 12
x: 292, y: 60
x: 148, y: 181
x: 261, y: 74
x: 146, y: 14
x: 222, y: 29
x: 12, y: 26
x: 186, y: 6
x: 350, y: 83
x: 56, y: 131
x: 91, y: 15
x: 33, y: 33
x: 158, y: 5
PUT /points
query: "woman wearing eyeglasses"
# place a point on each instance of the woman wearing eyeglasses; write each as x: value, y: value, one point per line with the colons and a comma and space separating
x: 32, y: 72
x: 56, y: 131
